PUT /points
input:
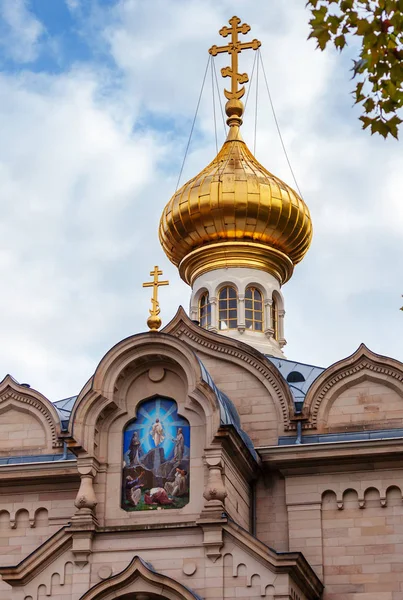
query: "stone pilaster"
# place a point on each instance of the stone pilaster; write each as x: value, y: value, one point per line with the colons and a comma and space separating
x: 84, y: 521
x: 241, y: 313
x: 214, y: 314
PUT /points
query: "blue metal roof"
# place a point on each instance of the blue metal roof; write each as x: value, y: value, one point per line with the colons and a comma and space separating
x: 17, y: 460
x: 350, y: 436
x: 64, y: 408
x: 228, y: 413
x: 309, y: 373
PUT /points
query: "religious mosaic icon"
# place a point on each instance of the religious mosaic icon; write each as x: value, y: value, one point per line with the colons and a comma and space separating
x: 156, y: 452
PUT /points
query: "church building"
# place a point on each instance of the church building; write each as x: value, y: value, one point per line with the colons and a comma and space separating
x: 198, y: 462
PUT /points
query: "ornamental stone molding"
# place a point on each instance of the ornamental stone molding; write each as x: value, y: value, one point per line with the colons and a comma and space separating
x: 182, y: 327
x: 140, y: 579
x: 21, y: 396
x: 349, y: 371
x: 104, y: 399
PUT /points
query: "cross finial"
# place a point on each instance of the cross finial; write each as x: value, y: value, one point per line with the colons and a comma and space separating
x: 154, y: 322
x: 234, y: 107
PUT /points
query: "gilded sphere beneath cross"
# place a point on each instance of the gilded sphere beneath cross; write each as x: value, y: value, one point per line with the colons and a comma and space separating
x: 234, y: 107
x: 154, y: 322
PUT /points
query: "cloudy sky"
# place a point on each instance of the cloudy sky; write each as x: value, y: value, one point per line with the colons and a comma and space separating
x: 97, y: 99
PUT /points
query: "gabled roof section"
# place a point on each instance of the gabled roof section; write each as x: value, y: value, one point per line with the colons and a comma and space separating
x: 200, y: 339
x: 23, y: 397
x: 363, y: 363
x: 287, y: 368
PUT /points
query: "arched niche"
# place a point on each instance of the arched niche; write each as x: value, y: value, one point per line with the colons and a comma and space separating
x: 139, y: 580
x: 364, y: 389
x: 138, y: 368
x: 136, y: 371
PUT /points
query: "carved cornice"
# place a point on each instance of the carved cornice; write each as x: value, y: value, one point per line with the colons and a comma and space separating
x: 10, y: 393
x: 35, y: 562
x: 51, y: 472
x: 362, y: 360
x: 306, y: 457
x: 181, y: 326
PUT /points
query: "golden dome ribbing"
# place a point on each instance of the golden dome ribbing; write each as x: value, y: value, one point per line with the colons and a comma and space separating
x: 235, y: 213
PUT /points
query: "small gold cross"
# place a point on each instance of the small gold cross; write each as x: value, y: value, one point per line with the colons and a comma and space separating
x: 154, y: 322
x: 234, y: 48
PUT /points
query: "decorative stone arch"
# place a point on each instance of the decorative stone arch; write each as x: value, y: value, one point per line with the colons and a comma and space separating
x: 103, y: 397
x: 227, y: 283
x: 198, y: 294
x: 278, y: 296
x: 195, y: 301
x: 362, y: 365
x: 27, y: 400
x: 141, y: 579
x: 239, y: 353
x: 258, y: 286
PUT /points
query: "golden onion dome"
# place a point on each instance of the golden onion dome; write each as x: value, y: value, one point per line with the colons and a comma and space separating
x: 235, y: 213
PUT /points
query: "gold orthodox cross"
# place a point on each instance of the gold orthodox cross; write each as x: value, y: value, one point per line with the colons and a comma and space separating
x: 234, y: 47
x: 154, y: 321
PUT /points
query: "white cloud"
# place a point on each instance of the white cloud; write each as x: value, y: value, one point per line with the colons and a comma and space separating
x: 88, y: 158
x: 20, y: 31
x: 71, y: 179
x: 73, y: 4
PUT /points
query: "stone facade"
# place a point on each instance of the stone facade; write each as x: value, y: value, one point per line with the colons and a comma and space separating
x: 267, y: 517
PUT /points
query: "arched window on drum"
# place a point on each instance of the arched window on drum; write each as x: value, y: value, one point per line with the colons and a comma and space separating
x: 228, y: 308
x: 253, y: 309
x: 205, y: 310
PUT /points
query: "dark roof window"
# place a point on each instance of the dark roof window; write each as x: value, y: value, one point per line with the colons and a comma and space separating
x: 295, y: 377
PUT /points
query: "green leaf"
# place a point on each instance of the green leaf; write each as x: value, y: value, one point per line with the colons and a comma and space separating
x: 323, y: 39
x: 359, y: 96
x: 376, y: 27
x: 378, y: 126
x: 396, y: 120
x: 317, y: 31
x: 369, y: 105
x: 353, y: 18
x: 396, y: 73
x: 319, y: 14
x: 363, y: 26
x: 340, y: 42
x: 366, y: 121
x: 346, y: 5
x: 333, y: 25
x: 389, y: 105
x: 393, y: 124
